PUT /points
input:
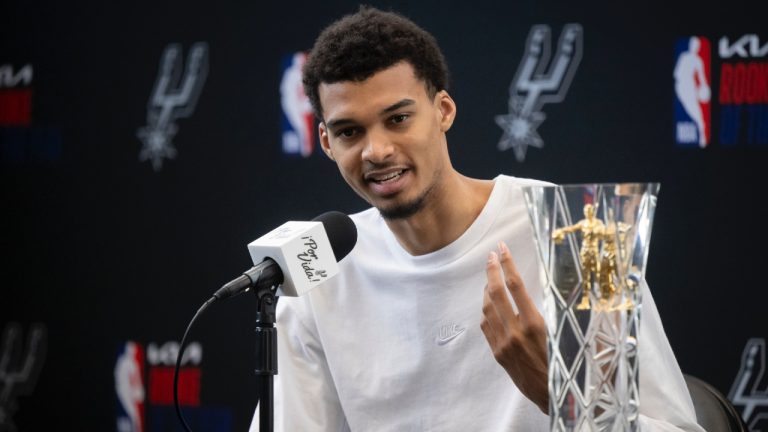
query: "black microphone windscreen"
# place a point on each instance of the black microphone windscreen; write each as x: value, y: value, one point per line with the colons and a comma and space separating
x: 341, y: 232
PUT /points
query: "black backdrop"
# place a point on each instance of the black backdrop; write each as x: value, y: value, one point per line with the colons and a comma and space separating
x: 101, y: 249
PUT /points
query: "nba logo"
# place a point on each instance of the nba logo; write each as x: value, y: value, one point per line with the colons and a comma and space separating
x: 129, y: 386
x: 297, y: 120
x: 692, y: 92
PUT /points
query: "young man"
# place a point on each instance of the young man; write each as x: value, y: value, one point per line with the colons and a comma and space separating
x: 417, y: 332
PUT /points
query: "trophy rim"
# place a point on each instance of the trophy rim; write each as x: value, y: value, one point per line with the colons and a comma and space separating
x: 623, y: 183
x: 652, y: 187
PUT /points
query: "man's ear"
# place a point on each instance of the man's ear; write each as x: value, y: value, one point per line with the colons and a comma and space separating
x: 447, y: 108
x: 325, y: 143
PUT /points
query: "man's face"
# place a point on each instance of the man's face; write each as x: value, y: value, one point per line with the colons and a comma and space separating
x: 387, y: 135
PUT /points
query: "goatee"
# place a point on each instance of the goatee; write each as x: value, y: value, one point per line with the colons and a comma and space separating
x: 406, y: 210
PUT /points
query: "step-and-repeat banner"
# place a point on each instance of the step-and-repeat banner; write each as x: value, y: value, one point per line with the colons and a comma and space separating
x: 143, y: 146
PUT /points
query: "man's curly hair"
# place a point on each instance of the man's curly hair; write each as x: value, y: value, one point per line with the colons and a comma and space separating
x: 359, y: 45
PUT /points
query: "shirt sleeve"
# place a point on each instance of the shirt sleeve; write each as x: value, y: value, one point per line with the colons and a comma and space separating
x: 665, y: 403
x: 305, y: 396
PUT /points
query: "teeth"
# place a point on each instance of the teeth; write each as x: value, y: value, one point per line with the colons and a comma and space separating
x: 388, y: 176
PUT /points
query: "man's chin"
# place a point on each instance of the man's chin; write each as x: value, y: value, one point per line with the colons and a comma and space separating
x: 402, y: 210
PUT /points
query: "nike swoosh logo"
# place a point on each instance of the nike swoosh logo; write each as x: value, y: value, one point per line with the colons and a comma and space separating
x: 454, y: 334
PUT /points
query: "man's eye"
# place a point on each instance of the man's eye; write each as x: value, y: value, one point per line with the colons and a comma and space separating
x: 399, y: 118
x: 346, y: 133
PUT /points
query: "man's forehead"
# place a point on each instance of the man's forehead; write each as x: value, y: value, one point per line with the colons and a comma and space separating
x: 381, y: 90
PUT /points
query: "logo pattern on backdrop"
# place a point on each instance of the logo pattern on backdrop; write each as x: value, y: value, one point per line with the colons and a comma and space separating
x: 738, y: 100
x: 537, y: 82
x: 19, y: 368
x: 692, y: 91
x: 750, y: 388
x: 174, y: 96
x: 21, y: 140
x: 129, y: 386
x: 298, y: 121
x: 743, y: 94
x: 15, y: 95
x: 145, y: 393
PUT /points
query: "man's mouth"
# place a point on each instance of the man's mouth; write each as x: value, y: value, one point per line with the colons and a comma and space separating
x: 388, y: 182
x: 387, y: 177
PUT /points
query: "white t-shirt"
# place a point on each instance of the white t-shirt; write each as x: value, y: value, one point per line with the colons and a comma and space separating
x: 393, y: 343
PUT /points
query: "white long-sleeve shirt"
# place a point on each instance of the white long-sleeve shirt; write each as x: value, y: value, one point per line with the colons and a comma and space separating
x: 393, y: 343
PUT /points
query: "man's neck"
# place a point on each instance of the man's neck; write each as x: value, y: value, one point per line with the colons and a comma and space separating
x: 455, y: 205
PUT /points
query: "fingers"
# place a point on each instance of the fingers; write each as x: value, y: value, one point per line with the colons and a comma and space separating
x: 518, y: 341
x: 492, y: 324
x: 496, y: 292
x: 515, y: 284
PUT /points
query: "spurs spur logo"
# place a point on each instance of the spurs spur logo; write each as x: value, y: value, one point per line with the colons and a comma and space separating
x: 750, y: 388
x: 537, y: 82
x: 174, y: 96
x: 19, y: 368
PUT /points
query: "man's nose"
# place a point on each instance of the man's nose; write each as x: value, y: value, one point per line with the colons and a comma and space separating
x: 378, y: 147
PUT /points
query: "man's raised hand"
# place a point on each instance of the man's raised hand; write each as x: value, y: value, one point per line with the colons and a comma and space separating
x: 518, y: 339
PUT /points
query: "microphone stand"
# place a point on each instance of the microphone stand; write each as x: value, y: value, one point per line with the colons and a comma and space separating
x: 266, y: 354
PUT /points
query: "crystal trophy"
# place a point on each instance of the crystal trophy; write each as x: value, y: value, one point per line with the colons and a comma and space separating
x: 592, y: 241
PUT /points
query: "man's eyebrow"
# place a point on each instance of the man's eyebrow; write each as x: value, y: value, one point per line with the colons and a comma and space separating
x: 396, y: 106
x: 339, y: 122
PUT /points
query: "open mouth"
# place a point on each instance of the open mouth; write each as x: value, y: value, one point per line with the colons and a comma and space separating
x: 386, y: 178
x: 389, y: 181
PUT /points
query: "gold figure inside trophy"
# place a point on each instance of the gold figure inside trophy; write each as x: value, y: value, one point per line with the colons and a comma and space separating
x: 598, y: 264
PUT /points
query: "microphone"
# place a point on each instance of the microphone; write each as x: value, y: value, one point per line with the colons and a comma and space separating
x: 296, y: 256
